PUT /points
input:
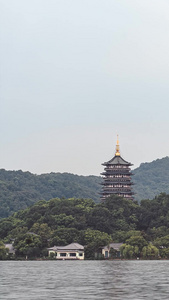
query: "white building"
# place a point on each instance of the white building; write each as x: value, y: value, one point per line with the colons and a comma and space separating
x: 71, y: 251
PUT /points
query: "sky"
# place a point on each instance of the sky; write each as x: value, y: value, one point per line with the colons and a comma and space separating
x: 74, y: 74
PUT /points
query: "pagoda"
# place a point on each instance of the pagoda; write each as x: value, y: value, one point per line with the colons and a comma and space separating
x: 117, y: 177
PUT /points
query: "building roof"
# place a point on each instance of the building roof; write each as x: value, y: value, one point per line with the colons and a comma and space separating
x: 10, y: 247
x: 117, y: 160
x: 115, y: 246
x: 72, y: 246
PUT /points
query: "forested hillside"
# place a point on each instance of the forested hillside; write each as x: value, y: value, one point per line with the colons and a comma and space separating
x: 151, y: 179
x: 62, y: 221
x: 19, y: 190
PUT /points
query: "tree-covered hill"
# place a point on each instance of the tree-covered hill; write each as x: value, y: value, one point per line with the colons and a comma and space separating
x: 63, y: 221
x: 151, y: 179
x: 19, y: 190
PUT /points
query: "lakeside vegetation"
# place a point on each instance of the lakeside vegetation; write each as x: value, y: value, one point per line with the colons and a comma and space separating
x: 19, y: 190
x: 143, y: 229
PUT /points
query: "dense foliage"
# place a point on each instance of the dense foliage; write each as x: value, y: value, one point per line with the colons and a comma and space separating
x: 151, y: 179
x: 62, y: 221
x: 19, y: 190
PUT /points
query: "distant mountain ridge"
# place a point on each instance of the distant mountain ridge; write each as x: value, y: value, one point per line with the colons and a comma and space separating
x: 19, y: 189
x: 151, y: 179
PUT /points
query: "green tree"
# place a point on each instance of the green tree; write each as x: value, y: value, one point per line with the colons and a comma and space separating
x: 44, y: 231
x: 64, y: 236
x: 162, y: 242
x: 150, y: 252
x: 113, y: 253
x: 137, y: 240
x: 128, y: 251
x: 95, y: 240
x: 3, y: 251
x: 154, y: 233
x: 133, y: 247
x: 164, y: 252
x: 6, y: 225
x: 96, y: 236
x: 29, y: 245
x: 122, y: 236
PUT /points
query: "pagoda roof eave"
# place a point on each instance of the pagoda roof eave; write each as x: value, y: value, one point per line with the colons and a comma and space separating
x: 117, y: 160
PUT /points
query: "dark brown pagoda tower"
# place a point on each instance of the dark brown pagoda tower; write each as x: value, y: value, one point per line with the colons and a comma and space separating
x: 117, y: 177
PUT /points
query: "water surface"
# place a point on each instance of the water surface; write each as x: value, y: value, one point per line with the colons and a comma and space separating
x: 43, y: 280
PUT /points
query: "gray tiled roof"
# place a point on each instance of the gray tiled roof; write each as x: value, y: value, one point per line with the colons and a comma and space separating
x: 55, y: 248
x: 117, y: 160
x: 115, y: 246
x: 72, y: 246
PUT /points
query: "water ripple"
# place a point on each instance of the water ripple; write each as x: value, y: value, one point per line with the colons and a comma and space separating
x: 63, y: 280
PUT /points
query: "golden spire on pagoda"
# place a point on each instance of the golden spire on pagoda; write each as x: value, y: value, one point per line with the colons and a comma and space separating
x: 117, y: 147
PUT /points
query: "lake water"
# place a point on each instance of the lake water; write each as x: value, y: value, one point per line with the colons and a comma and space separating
x: 43, y: 280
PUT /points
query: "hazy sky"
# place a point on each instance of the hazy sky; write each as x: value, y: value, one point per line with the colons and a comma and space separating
x: 74, y: 74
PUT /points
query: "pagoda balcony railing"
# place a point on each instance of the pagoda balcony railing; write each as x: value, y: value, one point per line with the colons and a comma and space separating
x: 107, y: 186
x: 120, y: 166
x: 116, y: 172
x: 117, y: 175
x: 109, y: 172
x: 115, y: 190
x: 128, y: 196
x: 117, y: 167
x: 115, y: 180
x: 120, y: 194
